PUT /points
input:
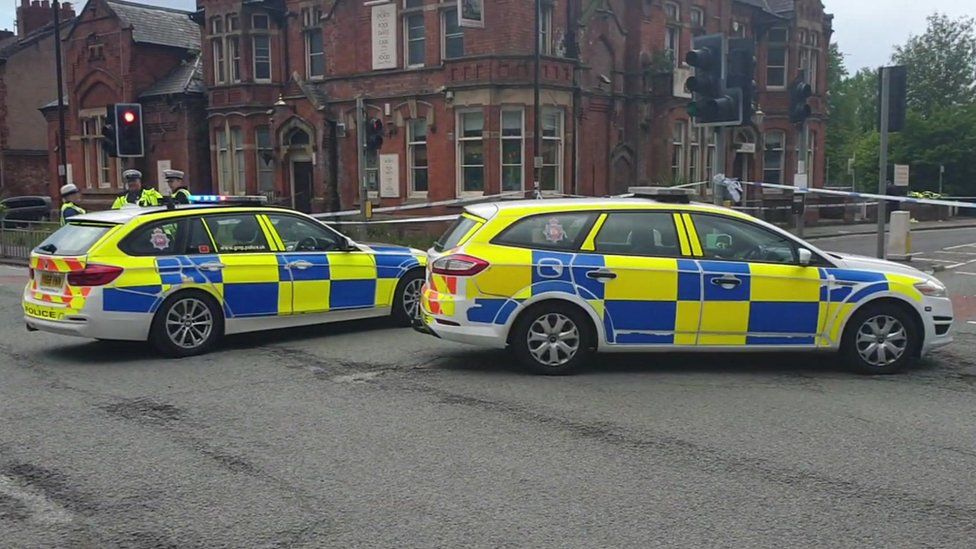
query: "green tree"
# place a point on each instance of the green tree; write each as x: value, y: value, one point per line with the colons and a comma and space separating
x: 941, y: 64
x: 852, y: 104
x: 947, y: 137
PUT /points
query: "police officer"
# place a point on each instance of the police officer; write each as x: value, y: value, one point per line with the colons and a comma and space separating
x: 178, y: 190
x: 150, y: 196
x: 133, y: 192
x: 69, y: 193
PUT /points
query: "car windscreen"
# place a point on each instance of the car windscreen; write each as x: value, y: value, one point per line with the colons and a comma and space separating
x: 73, y: 239
x: 452, y: 237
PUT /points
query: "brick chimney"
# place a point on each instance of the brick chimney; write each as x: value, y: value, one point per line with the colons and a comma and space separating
x: 34, y: 14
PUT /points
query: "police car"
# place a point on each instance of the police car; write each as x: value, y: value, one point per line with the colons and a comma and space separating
x: 183, y: 277
x: 556, y: 280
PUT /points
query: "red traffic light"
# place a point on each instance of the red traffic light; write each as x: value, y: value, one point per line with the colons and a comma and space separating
x: 129, y: 117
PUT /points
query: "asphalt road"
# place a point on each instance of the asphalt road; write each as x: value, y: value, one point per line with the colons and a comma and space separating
x: 362, y: 435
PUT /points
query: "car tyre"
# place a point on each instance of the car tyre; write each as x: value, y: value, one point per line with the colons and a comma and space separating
x: 187, y: 324
x: 881, y: 339
x: 406, y: 301
x: 553, y: 339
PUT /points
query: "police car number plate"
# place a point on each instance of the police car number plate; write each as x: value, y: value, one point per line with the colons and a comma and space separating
x: 52, y: 280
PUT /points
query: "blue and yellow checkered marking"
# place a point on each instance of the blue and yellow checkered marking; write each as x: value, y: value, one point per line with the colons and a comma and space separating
x: 133, y: 299
x: 253, y: 285
x: 675, y: 301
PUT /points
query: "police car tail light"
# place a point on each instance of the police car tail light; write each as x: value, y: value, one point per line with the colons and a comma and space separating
x: 94, y: 275
x: 459, y: 265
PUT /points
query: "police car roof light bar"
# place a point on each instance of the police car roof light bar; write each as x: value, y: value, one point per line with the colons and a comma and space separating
x: 670, y: 195
x: 228, y: 200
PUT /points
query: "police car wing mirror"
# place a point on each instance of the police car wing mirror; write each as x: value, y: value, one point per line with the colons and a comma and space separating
x: 346, y: 245
x: 805, y: 256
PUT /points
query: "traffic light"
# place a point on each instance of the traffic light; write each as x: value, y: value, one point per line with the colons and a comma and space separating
x: 897, y: 96
x: 800, y: 92
x: 741, y: 73
x: 109, y: 138
x: 712, y: 103
x: 374, y: 134
x: 129, y: 134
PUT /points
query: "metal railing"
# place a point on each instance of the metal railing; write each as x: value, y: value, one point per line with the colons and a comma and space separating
x: 18, y: 238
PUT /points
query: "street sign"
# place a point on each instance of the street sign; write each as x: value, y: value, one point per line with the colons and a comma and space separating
x: 800, y: 181
x: 389, y: 175
x: 901, y: 175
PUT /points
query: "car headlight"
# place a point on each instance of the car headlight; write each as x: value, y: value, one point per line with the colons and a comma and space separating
x: 932, y: 288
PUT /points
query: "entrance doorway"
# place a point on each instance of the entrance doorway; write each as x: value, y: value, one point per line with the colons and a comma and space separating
x: 301, y: 186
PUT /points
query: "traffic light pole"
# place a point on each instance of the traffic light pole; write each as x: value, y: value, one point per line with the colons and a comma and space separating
x: 883, y: 159
x: 62, y: 139
x: 721, y: 135
x: 537, y: 106
x: 361, y: 158
x: 802, y: 170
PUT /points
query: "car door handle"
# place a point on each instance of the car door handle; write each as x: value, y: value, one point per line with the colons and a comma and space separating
x: 727, y: 282
x: 601, y: 274
x: 212, y: 266
x: 300, y: 265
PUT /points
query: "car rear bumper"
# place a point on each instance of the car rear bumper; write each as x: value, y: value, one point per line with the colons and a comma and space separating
x: 59, y: 319
x: 449, y: 329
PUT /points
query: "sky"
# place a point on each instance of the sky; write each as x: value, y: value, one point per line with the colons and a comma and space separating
x: 866, y: 30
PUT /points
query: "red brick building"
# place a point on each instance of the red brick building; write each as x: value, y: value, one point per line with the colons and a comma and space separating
x: 28, y: 77
x: 122, y: 52
x: 284, y: 77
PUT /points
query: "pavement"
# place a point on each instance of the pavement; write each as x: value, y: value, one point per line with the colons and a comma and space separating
x: 364, y: 435
x: 831, y: 231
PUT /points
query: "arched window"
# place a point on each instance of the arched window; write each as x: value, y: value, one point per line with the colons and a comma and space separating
x: 298, y: 138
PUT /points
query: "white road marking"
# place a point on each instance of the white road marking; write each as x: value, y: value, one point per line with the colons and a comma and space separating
x: 953, y: 252
x: 960, y: 246
x: 965, y: 273
x: 42, y: 510
x: 936, y: 260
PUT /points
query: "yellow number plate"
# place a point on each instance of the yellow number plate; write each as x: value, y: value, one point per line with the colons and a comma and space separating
x: 52, y: 280
x: 40, y: 311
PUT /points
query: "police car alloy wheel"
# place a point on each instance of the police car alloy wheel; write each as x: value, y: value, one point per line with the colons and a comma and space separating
x: 553, y: 338
x: 185, y: 325
x: 406, y: 304
x: 880, y: 339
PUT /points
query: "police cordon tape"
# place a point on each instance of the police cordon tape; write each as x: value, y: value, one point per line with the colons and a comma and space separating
x: 449, y: 217
x: 406, y: 207
x: 851, y: 194
x: 327, y: 217
x: 809, y: 206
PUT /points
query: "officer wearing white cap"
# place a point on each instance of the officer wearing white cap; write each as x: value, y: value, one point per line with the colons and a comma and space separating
x: 178, y: 190
x: 69, y: 193
x: 133, y: 192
